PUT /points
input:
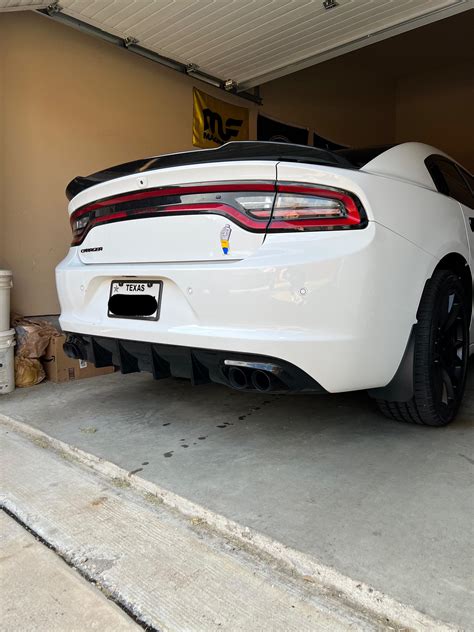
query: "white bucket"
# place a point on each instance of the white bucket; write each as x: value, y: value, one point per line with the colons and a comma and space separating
x: 5, y: 287
x: 7, y: 363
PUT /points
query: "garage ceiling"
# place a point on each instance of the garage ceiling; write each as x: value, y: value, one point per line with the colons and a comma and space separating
x: 251, y: 41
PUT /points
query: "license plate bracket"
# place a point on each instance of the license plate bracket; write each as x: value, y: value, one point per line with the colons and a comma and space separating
x: 135, y: 299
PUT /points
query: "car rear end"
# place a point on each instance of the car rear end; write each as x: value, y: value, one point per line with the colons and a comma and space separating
x: 263, y: 272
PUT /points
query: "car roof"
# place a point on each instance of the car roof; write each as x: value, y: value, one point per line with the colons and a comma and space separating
x: 406, y: 162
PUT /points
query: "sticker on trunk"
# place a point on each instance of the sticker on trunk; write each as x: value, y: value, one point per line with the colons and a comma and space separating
x: 225, y: 238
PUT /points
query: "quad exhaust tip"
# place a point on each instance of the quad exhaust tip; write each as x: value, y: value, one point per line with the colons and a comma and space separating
x: 261, y: 381
x: 260, y: 376
x: 237, y: 378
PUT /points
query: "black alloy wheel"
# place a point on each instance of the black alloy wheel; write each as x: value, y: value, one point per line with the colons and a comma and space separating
x: 440, y: 356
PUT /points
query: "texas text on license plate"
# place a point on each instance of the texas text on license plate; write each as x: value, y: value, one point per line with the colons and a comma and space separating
x: 135, y: 299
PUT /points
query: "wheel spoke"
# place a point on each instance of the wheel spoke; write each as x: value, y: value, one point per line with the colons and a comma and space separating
x: 453, y: 308
x: 449, y: 351
x: 459, y: 351
x: 449, y: 388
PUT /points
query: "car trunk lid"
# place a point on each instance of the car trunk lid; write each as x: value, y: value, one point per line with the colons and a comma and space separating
x: 192, y: 206
x: 203, y: 212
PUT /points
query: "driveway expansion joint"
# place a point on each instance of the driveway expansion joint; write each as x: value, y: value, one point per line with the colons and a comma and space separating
x: 307, y: 572
x: 82, y: 572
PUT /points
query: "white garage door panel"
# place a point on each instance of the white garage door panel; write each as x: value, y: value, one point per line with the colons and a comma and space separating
x: 19, y: 5
x: 300, y: 31
x: 252, y: 41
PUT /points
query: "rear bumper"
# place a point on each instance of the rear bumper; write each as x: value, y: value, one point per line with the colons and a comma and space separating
x: 198, y: 365
x: 339, y: 306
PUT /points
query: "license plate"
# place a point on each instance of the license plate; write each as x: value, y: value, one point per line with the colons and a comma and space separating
x: 140, y: 300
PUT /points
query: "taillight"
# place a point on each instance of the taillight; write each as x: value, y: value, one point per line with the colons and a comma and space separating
x: 240, y: 202
x: 255, y: 206
x: 304, y: 207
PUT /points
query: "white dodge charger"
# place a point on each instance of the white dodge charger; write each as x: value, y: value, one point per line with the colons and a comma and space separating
x: 279, y: 268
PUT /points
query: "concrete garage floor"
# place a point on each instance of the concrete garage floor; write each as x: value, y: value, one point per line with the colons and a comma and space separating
x: 386, y: 503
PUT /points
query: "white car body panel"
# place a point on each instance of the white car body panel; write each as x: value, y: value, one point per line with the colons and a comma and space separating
x: 336, y: 304
x: 468, y: 215
x: 433, y: 222
x: 193, y: 238
x: 405, y: 162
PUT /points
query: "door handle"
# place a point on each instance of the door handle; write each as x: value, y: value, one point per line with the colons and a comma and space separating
x: 471, y: 222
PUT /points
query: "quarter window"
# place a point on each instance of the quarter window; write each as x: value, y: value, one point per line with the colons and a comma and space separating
x: 448, y: 180
x: 468, y: 178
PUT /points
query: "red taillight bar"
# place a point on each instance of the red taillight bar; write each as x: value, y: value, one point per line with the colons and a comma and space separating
x: 154, y: 195
x: 185, y: 189
x: 352, y: 214
x: 185, y: 209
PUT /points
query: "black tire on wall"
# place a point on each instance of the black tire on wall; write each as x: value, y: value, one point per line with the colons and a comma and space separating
x: 440, y: 355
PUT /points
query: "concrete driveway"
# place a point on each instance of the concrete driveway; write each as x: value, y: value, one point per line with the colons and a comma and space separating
x: 386, y: 503
x: 61, y: 600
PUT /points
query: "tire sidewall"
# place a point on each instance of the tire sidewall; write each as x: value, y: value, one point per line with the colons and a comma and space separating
x: 440, y: 284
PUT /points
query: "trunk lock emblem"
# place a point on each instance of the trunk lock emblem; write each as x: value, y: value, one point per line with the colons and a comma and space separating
x: 225, y: 238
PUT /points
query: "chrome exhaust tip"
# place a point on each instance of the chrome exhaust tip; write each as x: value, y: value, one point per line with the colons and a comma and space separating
x: 237, y: 378
x: 261, y: 381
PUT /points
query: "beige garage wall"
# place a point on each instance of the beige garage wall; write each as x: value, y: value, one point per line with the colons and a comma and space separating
x: 343, y: 100
x: 436, y: 107
x: 73, y: 105
x: 2, y: 152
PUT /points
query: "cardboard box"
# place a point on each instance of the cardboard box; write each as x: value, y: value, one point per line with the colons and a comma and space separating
x: 59, y: 368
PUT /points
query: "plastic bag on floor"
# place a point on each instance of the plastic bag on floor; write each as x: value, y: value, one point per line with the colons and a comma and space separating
x: 32, y: 339
x: 32, y: 336
x: 28, y: 372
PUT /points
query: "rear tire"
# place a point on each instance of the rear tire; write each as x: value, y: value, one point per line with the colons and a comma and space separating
x: 440, y: 355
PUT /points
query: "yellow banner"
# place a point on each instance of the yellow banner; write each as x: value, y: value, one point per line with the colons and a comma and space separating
x: 216, y: 122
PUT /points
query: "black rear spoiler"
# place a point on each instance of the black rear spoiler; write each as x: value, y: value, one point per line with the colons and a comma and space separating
x: 243, y: 150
